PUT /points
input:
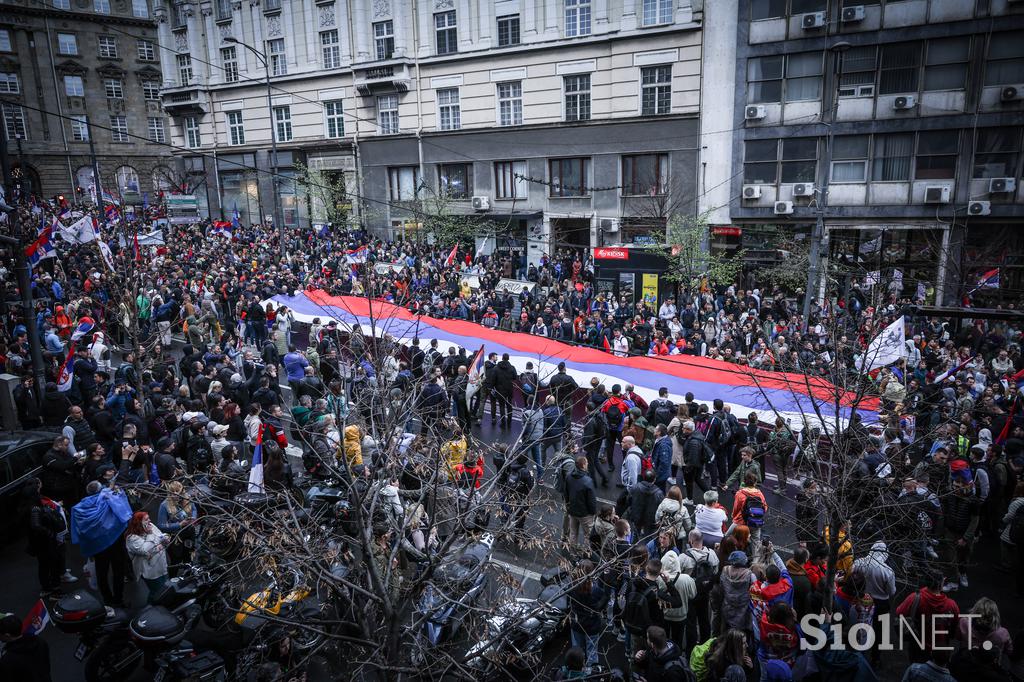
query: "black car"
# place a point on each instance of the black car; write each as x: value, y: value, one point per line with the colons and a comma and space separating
x: 21, y: 458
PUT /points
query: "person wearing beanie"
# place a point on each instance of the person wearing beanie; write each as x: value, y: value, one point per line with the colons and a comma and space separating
x: 733, y: 610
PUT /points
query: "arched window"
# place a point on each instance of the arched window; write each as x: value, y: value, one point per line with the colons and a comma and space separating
x: 87, y: 183
x: 26, y: 179
x: 127, y: 179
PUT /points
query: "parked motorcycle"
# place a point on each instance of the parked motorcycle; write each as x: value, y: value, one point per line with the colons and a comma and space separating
x: 286, y: 598
x: 104, y: 641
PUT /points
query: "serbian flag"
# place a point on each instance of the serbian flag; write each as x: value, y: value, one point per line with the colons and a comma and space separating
x: 85, y: 326
x: 989, y: 280
x: 450, y: 260
x: 36, y: 619
x: 475, y: 375
x: 355, y: 256
x: 950, y: 372
x: 41, y: 248
x: 109, y: 198
x: 256, y: 470
x: 604, y: 342
x: 222, y: 227
x: 66, y: 374
x: 111, y: 213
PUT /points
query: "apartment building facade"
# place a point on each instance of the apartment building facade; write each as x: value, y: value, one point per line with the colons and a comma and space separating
x: 71, y: 69
x: 897, y: 121
x: 561, y: 123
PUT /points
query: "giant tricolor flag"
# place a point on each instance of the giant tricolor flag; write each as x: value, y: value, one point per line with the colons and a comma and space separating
x: 745, y: 389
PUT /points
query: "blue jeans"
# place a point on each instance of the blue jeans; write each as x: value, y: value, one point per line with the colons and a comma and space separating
x: 535, y: 451
x: 586, y: 642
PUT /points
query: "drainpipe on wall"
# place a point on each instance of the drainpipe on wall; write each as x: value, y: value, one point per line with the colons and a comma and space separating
x: 419, y: 96
x: 60, y: 109
x: 357, y: 203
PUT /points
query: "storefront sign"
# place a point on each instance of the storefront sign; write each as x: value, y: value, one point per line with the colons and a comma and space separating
x: 644, y: 239
x: 514, y: 286
x: 650, y: 289
x: 727, y: 231
x: 606, y: 253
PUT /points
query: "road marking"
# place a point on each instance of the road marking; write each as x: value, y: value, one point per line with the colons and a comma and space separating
x: 524, y: 573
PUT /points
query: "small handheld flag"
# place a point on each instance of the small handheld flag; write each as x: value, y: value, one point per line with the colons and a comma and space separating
x: 36, y: 619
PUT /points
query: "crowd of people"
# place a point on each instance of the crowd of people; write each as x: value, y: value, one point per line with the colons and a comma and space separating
x: 187, y: 370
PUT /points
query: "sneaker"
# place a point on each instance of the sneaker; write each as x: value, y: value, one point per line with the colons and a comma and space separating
x: 68, y: 578
x: 963, y: 581
x: 932, y: 554
x: 950, y: 586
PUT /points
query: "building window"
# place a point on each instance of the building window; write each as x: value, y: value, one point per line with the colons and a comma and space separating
x: 140, y: 8
x: 146, y: 50
x: 850, y: 158
x: 236, y: 128
x: 510, y: 180
x: 384, y: 39
x: 900, y: 63
x: 108, y: 47
x: 577, y: 18
x: 577, y: 97
x: 283, y: 123
x: 156, y: 129
x: 655, y: 90
x: 657, y: 12
x: 289, y: 198
x: 1005, y: 62
x: 404, y: 183
x: 67, y: 44
x: 945, y: 67
x: 9, y: 83
x: 996, y: 153
x: 101, y: 6
x: 569, y: 177
x: 448, y: 113
x: 891, y: 159
x: 178, y: 18
x: 229, y: 60
x: 510, y: 103
x: 334, y: 119
x: 330, y: 49
x: 799, y: 159
x: 455, y: 180
x: 151, y: 90
x: 79, y: 129
x: 760, y: 162
x: 446, y: 32
x: 936, y: 155
x: 792, y: 78
x: 184, y: 69
x: 857, y: 77
x: 223, y: 9
x: 113, y: 88
x: 14, y: 122
x: 271, y: 5
x: 767, y: 9
x: 73, y: 86
x: 5, y: 41
x: 119, y: 128
x: 62, y: 4
x: 193, y: 138
x: 127, y: 179
x: 508, y: 30
x: 278, y: 60
x: 645, y: 175
x: 387, y: 114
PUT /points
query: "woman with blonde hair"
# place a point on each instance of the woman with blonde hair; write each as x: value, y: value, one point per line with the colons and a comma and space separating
x: 177, y: 517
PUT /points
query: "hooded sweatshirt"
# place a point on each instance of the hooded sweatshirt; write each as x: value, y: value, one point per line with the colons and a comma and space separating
x: 681, y: 583
x: 736, y: 582
x: 880, y: 578
x: 928, y: 604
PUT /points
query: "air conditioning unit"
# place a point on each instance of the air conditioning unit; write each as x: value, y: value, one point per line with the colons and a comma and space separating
x: 813, y: 20
x: 904, y: 102
x: 751, y: 191
x: 754, y: 112
x: 853, y: 14
x: 1001, y: 185
x: 979, y: 208
x: 481, y: 203
x: 803, y: 189
x: 783, y: 208
x: 936, y: 194
x: 1011, y: 93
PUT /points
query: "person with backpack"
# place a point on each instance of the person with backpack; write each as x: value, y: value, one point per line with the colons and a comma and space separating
x: 564, y: 388
x: 642, y: 600
x: 696, y: 454
x: 533, y: 435
x: 555, y: 426
x: 701, y: 564
x: 672, y: 514
x: 1012, y: 537
x: 661, y: 410
x: 632, y: 465
x: 588, y: 602
x: 931, y: 615
x: 661, y: 457
x: 529, y: 384
x: 720, y: 437
x: 662, y: 659
x: 580, y: 503
x: 615, y: 409
x: 595, y: 430
x: 731, y: 597
x: 675, y: 578
x: 644, y: 499
x: 515, y: 481
x: 781, y: 444
x: 749, y: 508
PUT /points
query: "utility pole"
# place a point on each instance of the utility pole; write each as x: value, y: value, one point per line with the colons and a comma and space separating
x: 95, y: 165
x: 21, y: 269
x: 818, y: 233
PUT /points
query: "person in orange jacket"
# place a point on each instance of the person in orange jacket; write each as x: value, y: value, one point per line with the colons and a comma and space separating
x: 63, y: 322
x: 471, y: 472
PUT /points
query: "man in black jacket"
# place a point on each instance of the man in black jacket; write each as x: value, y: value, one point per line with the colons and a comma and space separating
x: 580, y: 502
x: 505, y: 376
x: 25, y: 399
x: 594, y: 432
x: 643, y: 504
x: 563, y: 387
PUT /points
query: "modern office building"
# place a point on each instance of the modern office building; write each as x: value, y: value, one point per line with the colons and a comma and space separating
x: 568, y: 122
x: 74, y: 68
x: 897, y: 122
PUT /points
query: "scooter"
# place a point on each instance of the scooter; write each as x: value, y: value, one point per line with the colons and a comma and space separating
x: 286, y: 598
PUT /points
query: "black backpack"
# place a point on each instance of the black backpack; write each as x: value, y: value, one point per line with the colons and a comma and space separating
x: 703, y: 575
x: 636, y: 611
x: 614, y: 416
x: 664, y: 412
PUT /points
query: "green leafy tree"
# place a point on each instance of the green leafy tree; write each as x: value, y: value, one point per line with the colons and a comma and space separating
x: 690, y: 259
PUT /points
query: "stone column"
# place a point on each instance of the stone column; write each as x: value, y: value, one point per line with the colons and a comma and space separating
x: 465, y: 24
x: 212, y: 52
x: 194, y: 25
x: 426, y: 19
x: 361, y: 28
x: 163, y: 29
x: 307, y: 21
x: 486, y: 23
x: 529, y: 18
x: 398, y: 11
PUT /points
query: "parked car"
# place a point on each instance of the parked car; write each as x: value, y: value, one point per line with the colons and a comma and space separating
x: 21, y: 458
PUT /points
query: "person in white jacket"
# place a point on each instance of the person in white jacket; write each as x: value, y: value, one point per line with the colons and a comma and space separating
x: 147, y: 547
x: 100, y: 352
x: 880, y: 583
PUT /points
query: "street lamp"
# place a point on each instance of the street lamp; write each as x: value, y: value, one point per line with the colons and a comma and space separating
x: 273, y: 138
x: 818, y: 232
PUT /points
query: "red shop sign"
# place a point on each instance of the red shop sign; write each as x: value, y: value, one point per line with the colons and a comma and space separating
x: 611, y: 254
x: 727, y: 231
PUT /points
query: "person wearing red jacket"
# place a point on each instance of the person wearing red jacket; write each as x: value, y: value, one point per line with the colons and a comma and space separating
x: 470, y: 473
x: 933, y: 617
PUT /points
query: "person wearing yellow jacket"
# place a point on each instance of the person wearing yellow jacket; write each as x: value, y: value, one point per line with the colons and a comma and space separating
x: 844, y: 557
x: 453, y: 454
x: 352, y: 445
